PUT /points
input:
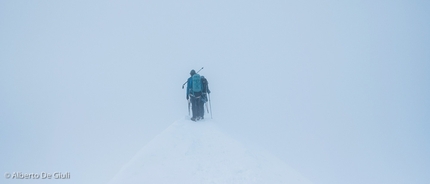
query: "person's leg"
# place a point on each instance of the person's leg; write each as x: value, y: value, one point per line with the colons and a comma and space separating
x: 198, y: 101
x: 202, y: 109
x: 194, y: 108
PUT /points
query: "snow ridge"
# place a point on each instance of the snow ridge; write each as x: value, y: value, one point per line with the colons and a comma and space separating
x: 199, y: 152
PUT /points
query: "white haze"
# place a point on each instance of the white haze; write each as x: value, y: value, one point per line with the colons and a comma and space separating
x: 337, y: 90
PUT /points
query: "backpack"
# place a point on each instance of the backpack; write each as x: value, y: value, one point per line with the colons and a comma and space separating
x: 197, y: 83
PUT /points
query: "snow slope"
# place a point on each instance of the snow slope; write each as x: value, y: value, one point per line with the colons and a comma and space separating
x: 199, y: 152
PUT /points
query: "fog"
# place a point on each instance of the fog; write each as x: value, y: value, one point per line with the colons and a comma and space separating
x: 337, y: 90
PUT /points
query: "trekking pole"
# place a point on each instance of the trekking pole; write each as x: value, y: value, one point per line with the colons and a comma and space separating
x: 187, y: 80
x: 210, y: 105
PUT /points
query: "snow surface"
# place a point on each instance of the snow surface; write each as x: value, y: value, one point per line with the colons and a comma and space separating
x: 199, y: 152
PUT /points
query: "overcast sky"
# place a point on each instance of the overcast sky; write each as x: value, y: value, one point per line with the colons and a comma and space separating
x: 337, y: 90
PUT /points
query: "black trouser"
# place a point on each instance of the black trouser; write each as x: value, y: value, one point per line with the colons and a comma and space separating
x: 197, y: 104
